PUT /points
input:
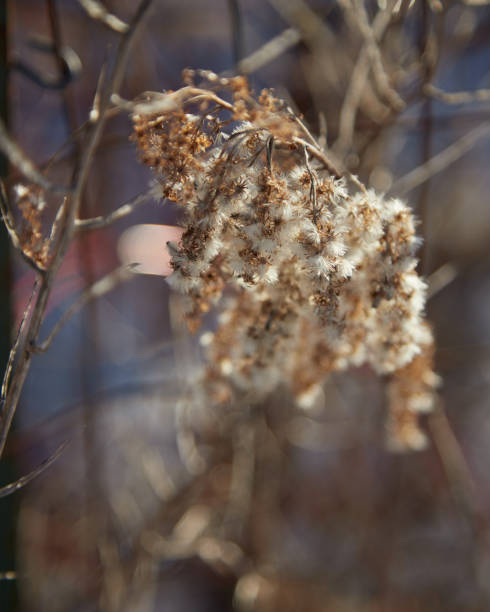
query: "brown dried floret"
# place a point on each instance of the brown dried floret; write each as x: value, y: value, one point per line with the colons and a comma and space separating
x: 320, y: 278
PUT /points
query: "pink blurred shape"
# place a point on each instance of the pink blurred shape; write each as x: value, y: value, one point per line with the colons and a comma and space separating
x: 145, y: 244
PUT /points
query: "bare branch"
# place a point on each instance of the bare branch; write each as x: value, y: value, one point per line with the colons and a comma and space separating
x: 458, y: 472
x: 119, y: 213
x: 301, y: 124
x: 440, y: 161
x: 19, y: 159
x: 270, y: 51
x: 242, y: 479
x: 96, y: 10
x: 371, y: 39
x: 15, y: 347
x: 8, y: 217
x: 236, y: 26
x: 98, y: 289
x: 314, y: 31
x: 69, y: 61
x: 323, y: 131
x: 95, y: 111
x: 357, y: 82
x: 21, y: 482
x: 165, y: 102
x: 67, y: 220
x: 56, y: 226
x: 457, y: 97
x: 320, y: 156
x: 329, y: 165
x: 441, y: 278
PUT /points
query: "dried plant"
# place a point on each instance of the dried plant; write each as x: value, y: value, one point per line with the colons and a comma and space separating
x: 263, y: 485
x: 322, y: 277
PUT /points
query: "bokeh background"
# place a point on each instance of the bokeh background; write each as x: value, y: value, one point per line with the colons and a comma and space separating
x: 323, y: 518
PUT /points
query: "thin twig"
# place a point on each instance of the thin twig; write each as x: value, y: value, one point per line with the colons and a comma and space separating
x: 329, y: 165
x: 320, y: 155
x: 236, y: 24
x: 441, y: 278
x: 77, y: 133
x: 242, y: 480
x: 8, y: 217
x: 381, y: 78
x: 67, y: 225
x: 71, y: 67
x: 15, y: 347
x: 165, y: 102
x: 312, y: 186
x: 56, y: 226
x: 119, y: 213
x: 458, y: 473
x: 440, y: 161
x: 322, y: 131
x: 21, y: 482
x: 357, y: 82
x: 310, y: 136
x: 98, y: 289
x: 96, y: 10
x: 314, y: 31
x: 203, y: 93
x: 21, y: 161
x: 270, y: 51
x: 457, y: 97
x: 371, y: 39
x: 95, y: 111
x: 424, y: 201
x: 59, y: 53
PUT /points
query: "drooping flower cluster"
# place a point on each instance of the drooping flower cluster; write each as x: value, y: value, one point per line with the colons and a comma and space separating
x: 321, y: 279
x: 32, y: 242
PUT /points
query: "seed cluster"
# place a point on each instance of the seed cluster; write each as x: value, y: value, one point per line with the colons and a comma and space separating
x: 318, y: 278
x: 32, y: 242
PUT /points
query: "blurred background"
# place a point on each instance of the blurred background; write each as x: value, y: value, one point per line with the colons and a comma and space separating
x: 290, y: 510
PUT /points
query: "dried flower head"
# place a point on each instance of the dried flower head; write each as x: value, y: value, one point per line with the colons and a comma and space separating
x: 31, y: 203
x: 322, y: 278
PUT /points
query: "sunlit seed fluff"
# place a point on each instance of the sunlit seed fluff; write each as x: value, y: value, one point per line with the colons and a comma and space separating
x: 321, y: 266
x: 309, y: 397
x: 345, y: 268
x: 335, y: 248
x: 318, y: 278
